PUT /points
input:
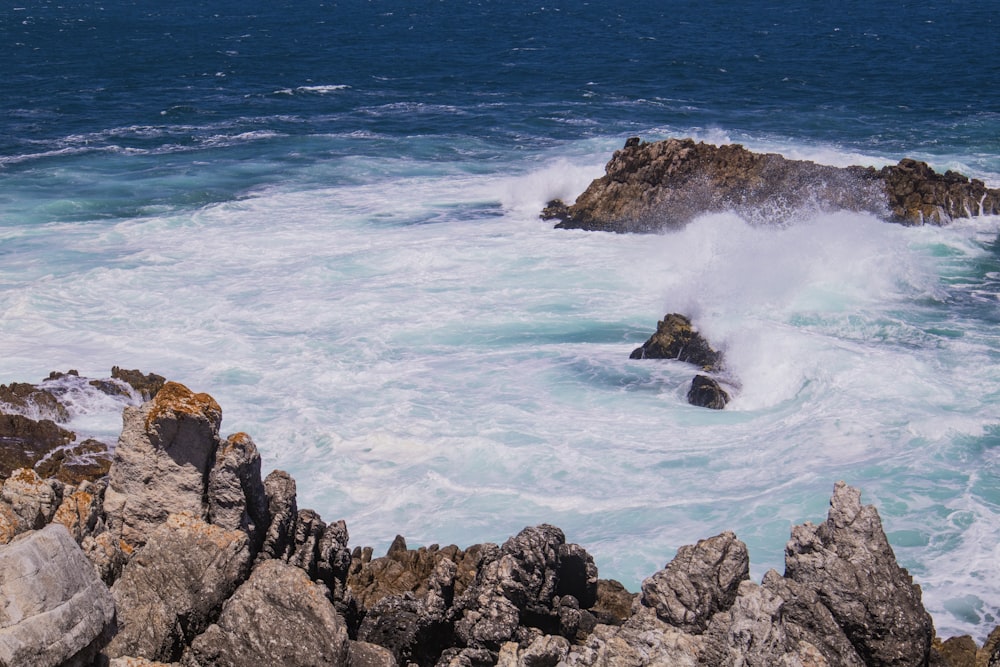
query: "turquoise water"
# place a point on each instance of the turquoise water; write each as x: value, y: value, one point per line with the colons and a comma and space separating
x: 325, y: 215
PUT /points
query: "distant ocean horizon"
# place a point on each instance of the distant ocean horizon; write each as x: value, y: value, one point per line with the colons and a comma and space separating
x: 325, y: 215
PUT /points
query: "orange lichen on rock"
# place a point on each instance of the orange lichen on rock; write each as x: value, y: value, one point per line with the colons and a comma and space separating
x: 175, y: 398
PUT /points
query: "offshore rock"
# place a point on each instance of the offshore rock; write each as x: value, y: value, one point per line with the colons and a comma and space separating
x: 162, y: 461
x: 649, y: 187
x: 55, y: 610
x: 676, y: 338
x: 705, y: 392
x: 848, y: 563
x: 277, y: 617
x: 147, y: 385
x: 174, y: 586
x: 32, y: 401
x: 699, y: 582
x: 25, y: 441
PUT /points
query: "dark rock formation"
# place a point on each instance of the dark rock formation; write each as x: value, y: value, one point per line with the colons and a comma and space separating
x: 54, y: 611
x: 649, y: 187
x: 25, y: 441
x: 707, y: 393
x: 676, y: 338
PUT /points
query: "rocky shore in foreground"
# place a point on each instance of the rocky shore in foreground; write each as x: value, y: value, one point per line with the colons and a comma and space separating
x: 652, y: 186
x: 184, y: 554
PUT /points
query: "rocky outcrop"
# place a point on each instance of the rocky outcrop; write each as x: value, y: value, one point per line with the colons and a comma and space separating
x: 162, y: 461
x: 174, y: 586
x: 676, y: 338
x: 649, y: 187
x: 278, y: 617
x: 25, y: 441
x: 53, y: 608
x: 197, y: 592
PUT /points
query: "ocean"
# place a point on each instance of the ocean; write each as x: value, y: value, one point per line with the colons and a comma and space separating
x: 325, y: 214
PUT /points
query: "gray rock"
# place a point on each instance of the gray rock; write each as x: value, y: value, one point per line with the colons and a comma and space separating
x: 81, y: 510
x: 236, y: 496
x: 278, y: 617
x: 55, y: 610
x: 699, y: 582
x: 105, y: 552
x: 162, y: 461
x: 776, y: 624
x: 363, y: 654
x: 282, y: 508
x: 33, y: 499
x: 642, y: 641
x: 175, y: 585
x: 545, y: 651
x: 848, y: 562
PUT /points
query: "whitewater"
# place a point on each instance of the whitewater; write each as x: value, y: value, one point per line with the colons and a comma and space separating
x: 350, y: 261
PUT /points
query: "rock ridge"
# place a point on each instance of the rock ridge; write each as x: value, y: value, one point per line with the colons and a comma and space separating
x: 210, y: 565
x: 654, y: 186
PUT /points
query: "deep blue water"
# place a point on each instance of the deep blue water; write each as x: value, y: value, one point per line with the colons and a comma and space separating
x: 325, y: 214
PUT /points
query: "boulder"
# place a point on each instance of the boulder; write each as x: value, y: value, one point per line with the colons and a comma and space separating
x: 175, y: 585
x: 699, y: 582
x: 55, y: 610
x: 162, y: 461
x: 277, y: 617
x: 706, y: 392
x: 676, y: 338
x: 649, y: 187
x: 848, y: 563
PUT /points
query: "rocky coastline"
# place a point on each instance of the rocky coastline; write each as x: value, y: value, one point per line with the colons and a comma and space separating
x: 181, y: 553
x: 655, y: 186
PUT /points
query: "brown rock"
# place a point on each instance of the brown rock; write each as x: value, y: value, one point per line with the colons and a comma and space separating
x: 655, y: 186
x: 32, y: 401
x: 676, y: 338
x: 88, y: 461
x: 25, y: 441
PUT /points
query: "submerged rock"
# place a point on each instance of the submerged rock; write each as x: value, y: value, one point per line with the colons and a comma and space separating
x: 706, y: 392
x: 649, y: 187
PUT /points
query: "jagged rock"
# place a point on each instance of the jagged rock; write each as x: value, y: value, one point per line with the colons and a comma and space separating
x: 700, y: 581
x: 642, y: 641
x: 848, y: 562
x: 175, y: 585
x: 32, y: 401
x: 55, y: 611
x: 162, y: 461
x: 363, y: 654
x: 146, y: 384
x: 654, y: 186
x: 88, y: 461
x: 774, y: 624
x: 467, y: 657
x: 33, y: 499
x: 108, y: 555
x: 706, y: 392
x: 277, y: 617
x: 283, y: 513
x: 613, y: 605
x: 415, y: 629
x: 309, y: 529
x: 404, y: 570
x: 518, y: 586
x: 236, y: 496
x: 80, y: 510
x: 129, y: 661
x: 25, y: 441
x: 989, y: 654
x: 333, y: 564
x: 676, y: 338
x: 957, y: 651
x: 546, y: 651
